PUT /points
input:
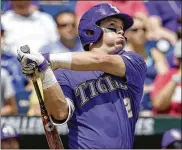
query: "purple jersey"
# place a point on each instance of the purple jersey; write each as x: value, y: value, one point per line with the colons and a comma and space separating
x: 106, y: 106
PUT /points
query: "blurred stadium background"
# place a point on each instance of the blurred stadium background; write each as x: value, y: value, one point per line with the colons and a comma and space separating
x: 51, y: 26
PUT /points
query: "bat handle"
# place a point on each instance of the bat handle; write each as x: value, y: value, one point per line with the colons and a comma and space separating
x: 53, y: 138
x: 25, y: 49
x: 37, y: 90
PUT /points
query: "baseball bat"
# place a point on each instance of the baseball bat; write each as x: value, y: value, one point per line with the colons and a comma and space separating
x: 53, y: 139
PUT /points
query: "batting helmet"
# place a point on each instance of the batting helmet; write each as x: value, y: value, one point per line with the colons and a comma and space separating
x: 7, y: 131
x: 89, y: 22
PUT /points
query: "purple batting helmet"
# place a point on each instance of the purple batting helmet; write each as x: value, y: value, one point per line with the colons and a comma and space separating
x: 89, y: 22
x: 7, y: 131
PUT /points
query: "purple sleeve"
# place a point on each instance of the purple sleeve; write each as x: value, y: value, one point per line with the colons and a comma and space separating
x: 64, y: 83
x: 136, y: 69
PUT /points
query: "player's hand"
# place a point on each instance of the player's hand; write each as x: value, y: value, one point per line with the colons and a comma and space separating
x: 32, y: 63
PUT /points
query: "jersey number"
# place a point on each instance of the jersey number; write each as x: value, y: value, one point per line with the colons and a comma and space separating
x: 128, y: 107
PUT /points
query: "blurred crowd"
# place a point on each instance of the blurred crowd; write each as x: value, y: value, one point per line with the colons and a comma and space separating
x: 51, y: 26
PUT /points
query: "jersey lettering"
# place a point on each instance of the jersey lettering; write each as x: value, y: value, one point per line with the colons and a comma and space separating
x: 110, y: 83
x: 93, y: 90
x: 80, y: 90
x: 96, y: 87
x: 101, y: 87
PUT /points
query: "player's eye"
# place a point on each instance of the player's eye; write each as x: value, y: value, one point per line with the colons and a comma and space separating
x: 112, y: 29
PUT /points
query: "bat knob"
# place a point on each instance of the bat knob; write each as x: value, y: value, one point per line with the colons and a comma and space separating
x: 25, y: 49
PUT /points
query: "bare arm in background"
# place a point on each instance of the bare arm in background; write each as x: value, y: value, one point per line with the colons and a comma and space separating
x: 160, y: 61
x: 162, y: 100
x: 9, y: 103
x: 10, y: 107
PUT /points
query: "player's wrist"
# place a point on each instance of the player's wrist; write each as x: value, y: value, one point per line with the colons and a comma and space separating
x: 48, y: 78
x: 61, y: 60
x: 47, y: 57
x: 43, y: 66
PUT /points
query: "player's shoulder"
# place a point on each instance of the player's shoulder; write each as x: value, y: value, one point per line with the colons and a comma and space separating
x: 61, y: 72
x: 66, y: 74
x: 76, y: 77
x: 131, y: 55
x: 62, y: 76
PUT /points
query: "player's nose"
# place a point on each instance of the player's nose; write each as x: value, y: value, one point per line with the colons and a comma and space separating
x: 120, y: 32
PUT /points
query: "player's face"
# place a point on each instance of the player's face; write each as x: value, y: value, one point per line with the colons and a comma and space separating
x: 113, y: 33
x: 66, y: 24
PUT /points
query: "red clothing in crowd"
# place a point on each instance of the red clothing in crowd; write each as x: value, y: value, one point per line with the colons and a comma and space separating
x: 129, y: 7
x: 160, y: 82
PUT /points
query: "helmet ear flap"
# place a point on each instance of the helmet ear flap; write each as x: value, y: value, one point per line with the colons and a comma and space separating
x: 89, y: 32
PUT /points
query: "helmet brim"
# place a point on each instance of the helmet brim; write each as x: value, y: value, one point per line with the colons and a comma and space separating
x: 125, y: 18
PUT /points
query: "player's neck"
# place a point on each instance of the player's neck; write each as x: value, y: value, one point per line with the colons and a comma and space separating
x: 103, y: 49
x: 98, y: 47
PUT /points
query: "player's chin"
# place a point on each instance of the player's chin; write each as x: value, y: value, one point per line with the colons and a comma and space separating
x: 119, y: 46
x: 119, y: 43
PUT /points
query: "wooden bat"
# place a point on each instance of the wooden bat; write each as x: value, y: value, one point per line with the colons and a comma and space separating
x: 53, y: 139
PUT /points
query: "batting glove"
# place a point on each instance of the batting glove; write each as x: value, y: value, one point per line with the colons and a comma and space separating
x: 32, y: 63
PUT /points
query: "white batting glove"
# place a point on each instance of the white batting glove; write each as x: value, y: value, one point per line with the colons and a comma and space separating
x: 32, y: 63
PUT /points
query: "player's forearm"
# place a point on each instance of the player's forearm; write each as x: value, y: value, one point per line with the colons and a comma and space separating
x: 89, y: 61
x: 54, y: 98
x: 75, y: 61
x: 55, y: 102
x: 162, y: 100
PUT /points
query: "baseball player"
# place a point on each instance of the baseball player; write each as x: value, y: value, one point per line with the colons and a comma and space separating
x: 96, y: 92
